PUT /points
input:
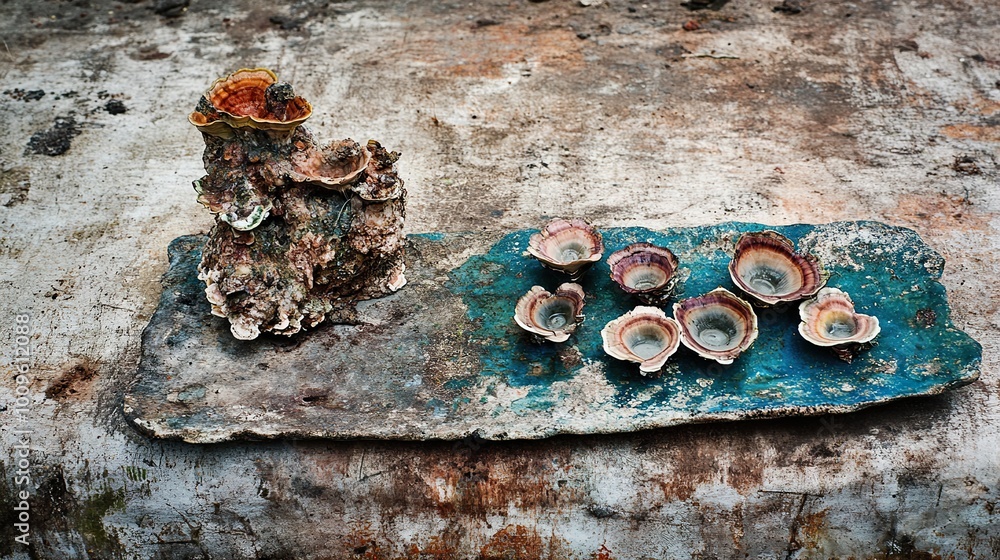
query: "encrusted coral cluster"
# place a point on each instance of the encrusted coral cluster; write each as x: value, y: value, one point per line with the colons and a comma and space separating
x: 303, y: 231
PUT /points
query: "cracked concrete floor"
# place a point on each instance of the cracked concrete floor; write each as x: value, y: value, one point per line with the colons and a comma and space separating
x: 507, y: 113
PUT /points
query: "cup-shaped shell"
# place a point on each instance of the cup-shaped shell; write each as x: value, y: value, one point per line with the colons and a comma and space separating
x: 767, y: 268
x: 570, y: 246
x: 829, y: 320
x: 552, y: 316
x: 252, y: 98
x: 644, y: 335
x: 645, y: 271
x: 718, y: 325
x: 337, y: 164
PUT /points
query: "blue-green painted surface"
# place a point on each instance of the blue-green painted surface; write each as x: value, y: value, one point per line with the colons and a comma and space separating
x: 888, y: 272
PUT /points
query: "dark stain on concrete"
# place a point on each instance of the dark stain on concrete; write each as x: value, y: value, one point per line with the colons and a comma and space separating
x: 56, y: 511
x: 171, y: 8
x: 56, y: 140
x: 966, y: 165
x: 115, y: 107
x: 74, y: 377
x: 8, y: 517
x: 23, y: 95
x: 903, y: 547
x: 494, y: 477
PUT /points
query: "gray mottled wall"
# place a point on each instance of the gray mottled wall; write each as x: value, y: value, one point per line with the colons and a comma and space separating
x: 506, y: 113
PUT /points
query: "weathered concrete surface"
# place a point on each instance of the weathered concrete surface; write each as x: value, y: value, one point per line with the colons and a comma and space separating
x: 443, y: 360
x: 870, y: 110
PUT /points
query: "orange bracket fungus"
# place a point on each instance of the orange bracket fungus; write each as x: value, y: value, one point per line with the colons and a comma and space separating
x: 302, y: 231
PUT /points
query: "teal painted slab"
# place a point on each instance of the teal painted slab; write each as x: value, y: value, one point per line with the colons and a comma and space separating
x: 442, y: 359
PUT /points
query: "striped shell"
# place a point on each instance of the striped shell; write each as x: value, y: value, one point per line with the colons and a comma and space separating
x: 644, y: 335
x: 718, y: 325
x: 570, y: 246
x: 337, y: 164
x: 767, y: 268
x: 551, y: 316
x: 250, y: 98
x: 829, y: 320
x: 645, y: 271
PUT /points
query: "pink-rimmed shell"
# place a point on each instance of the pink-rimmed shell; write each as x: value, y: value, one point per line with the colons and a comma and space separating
x: 570, y: 246
x: 646, y: 271
x: 551, y: 316
x: 766, y: 267
x: 718, y: 325
x: 829, y: 320
x: 644, y: 335
x: 336, y: 164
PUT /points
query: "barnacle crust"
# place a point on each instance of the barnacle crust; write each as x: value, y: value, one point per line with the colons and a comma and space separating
x: 294, y: 242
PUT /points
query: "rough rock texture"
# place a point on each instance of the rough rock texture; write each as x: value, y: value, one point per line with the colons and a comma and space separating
x: 302, y: 231
x: 507, y: 113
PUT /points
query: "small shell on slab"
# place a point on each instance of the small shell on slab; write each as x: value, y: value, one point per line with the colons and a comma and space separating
x: 718, y: 325
x: 570, y: 246
x: 644, y: 335
x: 767, y: 268
x: 551, y: 316
x: 829, y: 320
x: 645, y: 271
x: 398, y: 280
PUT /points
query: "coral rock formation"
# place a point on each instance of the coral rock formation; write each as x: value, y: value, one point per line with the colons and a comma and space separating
x: 302, y: 231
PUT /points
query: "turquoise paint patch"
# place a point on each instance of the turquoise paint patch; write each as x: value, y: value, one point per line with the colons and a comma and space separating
x: 888, y: 272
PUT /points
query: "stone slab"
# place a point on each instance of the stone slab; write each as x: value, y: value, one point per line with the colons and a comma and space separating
x: 442, y: 358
